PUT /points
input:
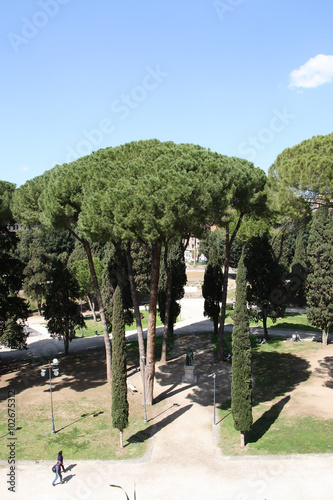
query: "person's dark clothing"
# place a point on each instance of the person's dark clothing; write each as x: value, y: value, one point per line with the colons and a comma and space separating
x: 61, y: 460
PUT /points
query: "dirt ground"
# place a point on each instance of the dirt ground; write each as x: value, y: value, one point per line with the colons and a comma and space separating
x: 184, y: 460
x: 311, y: 397
x: 314, y: 396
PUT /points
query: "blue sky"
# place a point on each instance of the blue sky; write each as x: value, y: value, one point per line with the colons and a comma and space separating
x: 245, y: 78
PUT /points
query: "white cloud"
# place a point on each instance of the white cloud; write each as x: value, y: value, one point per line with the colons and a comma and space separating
x: 316, y: 71
x: 25, y: 169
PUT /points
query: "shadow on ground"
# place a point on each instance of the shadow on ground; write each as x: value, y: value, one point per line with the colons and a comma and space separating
x: 326, y: 369
x: 275, y: 373
x: 262, y: 425
x: 149, y: 432
x: 78, y: 372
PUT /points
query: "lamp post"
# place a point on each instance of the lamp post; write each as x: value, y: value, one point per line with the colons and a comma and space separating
x: 214, y: 377
x: 55, y: 369
x: 143, y: 359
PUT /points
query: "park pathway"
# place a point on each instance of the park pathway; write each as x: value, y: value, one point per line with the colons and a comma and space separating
x: 185, y: 429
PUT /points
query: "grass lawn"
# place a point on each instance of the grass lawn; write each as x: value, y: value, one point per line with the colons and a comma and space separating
x: 92, y: 326
x: 273, y: 435
x: 289, y: 321
x: 83, y: 429
x: 82, y: 410
x: 278, y: 367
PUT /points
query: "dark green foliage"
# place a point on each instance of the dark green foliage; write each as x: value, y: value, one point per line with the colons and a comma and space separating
x: 265, y: 288
x: 177, y: 269
x: 13, y: 309
x: 320, y: 277
x: 212, y: 292
x: 37, y: 270
x: 241, y: 386
x: 119, y: 410
x: 305, y: 170
x: 61, y: 309
x: 82, y: 273
x: 212, y: 246
x: 114, y: 274
x: 296, y: 285
x: 141, y: 268
x: 281, y: 247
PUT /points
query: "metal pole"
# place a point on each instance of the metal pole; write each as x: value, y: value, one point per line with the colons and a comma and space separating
x: 50, y: 369
x: 143, y: 358
x: 82, y: 327
x: 214, y: 377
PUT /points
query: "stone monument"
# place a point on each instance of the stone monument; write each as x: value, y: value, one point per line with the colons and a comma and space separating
x: 189, y: 368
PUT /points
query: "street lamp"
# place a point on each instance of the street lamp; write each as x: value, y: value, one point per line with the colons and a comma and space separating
x: 55, y: 369
x: 143, y: 359
x: 214, y: 377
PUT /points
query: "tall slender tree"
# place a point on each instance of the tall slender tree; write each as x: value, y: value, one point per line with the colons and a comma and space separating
x: 245, y: 195
x: 320, y: 278
x: 13, y: 308
x: 55, y: 201
x: 171, y: 289
x: 241, y: 385
x: 296, y: 285
x: 158, y: 193
x: 119, y: 410
x: 83, y: 275
x: 61, y: 309
x: 37, y: 270
x: 212, y: 292
x: 265, y: 288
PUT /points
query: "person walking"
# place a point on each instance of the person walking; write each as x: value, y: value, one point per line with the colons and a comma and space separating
x: 58, y: 473
x: 61, y: 460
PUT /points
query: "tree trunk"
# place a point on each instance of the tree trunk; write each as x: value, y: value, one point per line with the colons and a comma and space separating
x: 151, y: 332
x: 101, y: 310
x: 264, y: 324
x: 228, y: 244
x: 216, y: 325
x: 325, y: 336
x: 66, y: 341
x: 92, y: 307
x: 166, y: 331
x: 121, y: 440
x: 138, y: 321
x: 224, y: 296
x: 39, y: 307
x: 242, y: 436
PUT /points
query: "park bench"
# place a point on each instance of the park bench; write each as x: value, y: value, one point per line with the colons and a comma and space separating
x: 131, y: 389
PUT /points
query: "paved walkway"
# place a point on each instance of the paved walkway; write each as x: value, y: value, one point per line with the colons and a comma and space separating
x: 183, y: 461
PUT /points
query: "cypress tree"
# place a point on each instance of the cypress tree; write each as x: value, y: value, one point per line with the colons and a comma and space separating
x: 320, y: 278
x: 296, y: 286
x: 119, y: 410
x: 266, y: 288
x: 212, y: 292
x: 241, y: 386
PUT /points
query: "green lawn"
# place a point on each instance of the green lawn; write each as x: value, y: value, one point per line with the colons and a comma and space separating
x: 82, y: 410
x: 83, y: 429
x: 278, y: 367
x: 276, y: 435
x: 91, y: 326
x: 289, y: 321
